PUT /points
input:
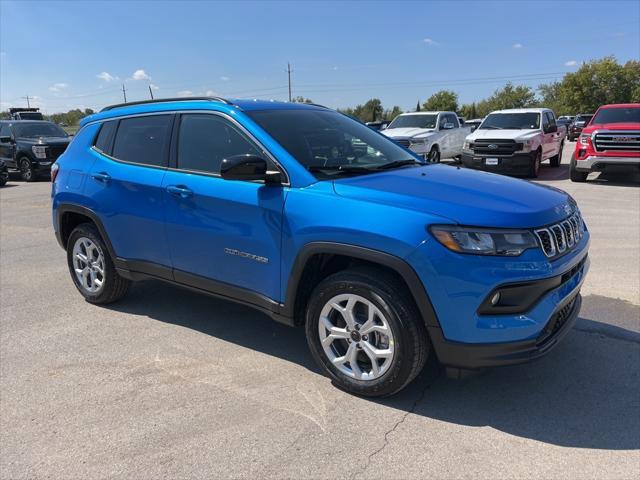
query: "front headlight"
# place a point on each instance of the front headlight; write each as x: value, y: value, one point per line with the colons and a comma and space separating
x: 480, y: 241
x: 417, y: 140
x: 39, y: 151
x: 584, y: 139
x: 526, y: 145
x: 466, y: 145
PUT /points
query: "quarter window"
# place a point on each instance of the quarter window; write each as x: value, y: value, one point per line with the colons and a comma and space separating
x: 204, y: 140
x: 104, y: 140
x: 143, y: 140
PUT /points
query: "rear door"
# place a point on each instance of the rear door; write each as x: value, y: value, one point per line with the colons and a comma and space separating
x: 222, y: 233
x: 548, y: 137
x: 125, y: 185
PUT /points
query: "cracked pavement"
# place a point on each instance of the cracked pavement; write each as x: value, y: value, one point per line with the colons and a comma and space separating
x: 171, y: 384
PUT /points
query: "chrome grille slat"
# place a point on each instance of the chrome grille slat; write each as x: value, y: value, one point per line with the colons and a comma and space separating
x: 561, y: 237
x: 616, y: 141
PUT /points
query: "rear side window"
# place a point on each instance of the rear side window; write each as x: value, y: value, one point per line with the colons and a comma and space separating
x: 104, y: 140
x: 205, y: 140
x: 143, y: 140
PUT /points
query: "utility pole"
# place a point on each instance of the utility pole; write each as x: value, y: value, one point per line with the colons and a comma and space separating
x: 289, y: 74
x: 150, y: 92
x: 124, y: 93
x: 29, y: 105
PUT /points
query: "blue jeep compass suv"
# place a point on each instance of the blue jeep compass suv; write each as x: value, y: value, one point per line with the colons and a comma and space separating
x: 319, y: 221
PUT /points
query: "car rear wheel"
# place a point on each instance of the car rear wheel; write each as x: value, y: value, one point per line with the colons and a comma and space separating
x: 91, y: 267
x: 26, y: 170
x: 364, y: 333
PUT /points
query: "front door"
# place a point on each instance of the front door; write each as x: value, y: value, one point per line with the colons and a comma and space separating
x: 221, y: 233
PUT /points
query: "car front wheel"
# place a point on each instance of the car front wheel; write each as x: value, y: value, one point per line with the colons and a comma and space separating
x: 26, y: 170
x: 364, y: 333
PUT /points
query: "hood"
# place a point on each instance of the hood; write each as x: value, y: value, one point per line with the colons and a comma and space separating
x: 406, y: 132
x: 503, y: 134
x: 467, y: 197
x: 44, y: 140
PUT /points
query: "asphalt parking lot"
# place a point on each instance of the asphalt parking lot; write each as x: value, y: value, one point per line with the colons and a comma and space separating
x: 171, y: 384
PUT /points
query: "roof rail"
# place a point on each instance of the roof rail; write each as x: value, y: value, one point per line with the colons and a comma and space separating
x: 163, y: 100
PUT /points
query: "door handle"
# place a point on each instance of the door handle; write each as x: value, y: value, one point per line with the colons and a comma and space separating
x: 179, y: 191
x: 101, y: 177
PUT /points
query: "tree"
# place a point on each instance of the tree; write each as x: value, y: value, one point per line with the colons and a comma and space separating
x: 369, y: 112
x: 442, y: 100
x: 469, y: 111
x: 300, y: 99
x: 509, y: 96
x: 392, y: 113
x: 418, y: 106
x: 595, y: 83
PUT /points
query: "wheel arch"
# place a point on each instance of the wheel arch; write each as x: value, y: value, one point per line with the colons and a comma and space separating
x: 317, y: 260
x: 69, y: 216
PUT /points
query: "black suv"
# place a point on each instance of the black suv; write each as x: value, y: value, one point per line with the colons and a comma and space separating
x: 31, y: 146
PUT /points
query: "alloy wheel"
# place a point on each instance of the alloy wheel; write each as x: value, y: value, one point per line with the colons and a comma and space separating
x: 25, y: 170
x: 356, y: 337
x: 88, y: 265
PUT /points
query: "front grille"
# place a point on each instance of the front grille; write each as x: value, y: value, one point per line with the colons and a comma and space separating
x: 55, y: 151
x: 617, y: 141
x: 404, y: 142
x: 495, y: 147
x: 557, y: 322
x: 561, y: 237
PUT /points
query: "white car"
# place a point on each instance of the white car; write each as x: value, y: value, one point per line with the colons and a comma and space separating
x: 433, y: 135
x: 515, y: 142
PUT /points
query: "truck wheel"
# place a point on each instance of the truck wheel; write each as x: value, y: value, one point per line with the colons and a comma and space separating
x: 534, y: 168
x: 556, y: 159
x: 365, y: 332
x: 92, y: 268
x: 434, y: 155
x: 577, y: 175
x: 26, y: 170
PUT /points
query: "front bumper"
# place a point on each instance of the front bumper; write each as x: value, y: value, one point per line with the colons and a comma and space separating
x: 598, y: 163
x: 516, y: 164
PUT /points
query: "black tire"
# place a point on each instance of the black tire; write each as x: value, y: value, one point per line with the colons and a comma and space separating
x: 576, y: 175
x: 556, y: 159
x: 411, y: 345
x: 3, y: 180
x: 434, y: 155
x: 114, y: 286
x: 26, y: 170
x: 534, y: 167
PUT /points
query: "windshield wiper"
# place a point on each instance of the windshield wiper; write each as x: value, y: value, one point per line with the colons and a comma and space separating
x: 399, y: 163
x: 340, y: 168
x: 492, y: 127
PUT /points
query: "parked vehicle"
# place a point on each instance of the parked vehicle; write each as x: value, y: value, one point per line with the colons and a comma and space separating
x: 567, y: 117
x: 379, y: 125
x: 564, y: 123
x: 611, y: 141
x: 266, y: 204
x: 31, y: 146
x: 581, y: 121
x: 515, y: 142
x: 4, y: 174
x: 25, y: 114
x: 473, y: 124
x: 432, y: 135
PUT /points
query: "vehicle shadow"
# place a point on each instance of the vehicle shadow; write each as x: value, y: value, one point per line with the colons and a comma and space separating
x: 584, y: 394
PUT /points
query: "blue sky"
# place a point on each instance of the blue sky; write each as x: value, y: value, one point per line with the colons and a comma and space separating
x: 78, y: 54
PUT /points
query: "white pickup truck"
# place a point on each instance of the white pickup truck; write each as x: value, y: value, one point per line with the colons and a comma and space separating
x: 433, y: 135
x: 515, y: 142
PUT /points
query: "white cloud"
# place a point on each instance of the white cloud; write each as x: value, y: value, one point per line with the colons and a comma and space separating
x: 516, y: 45
x: 140, y: 75
x: 211, y: 93
x: 58, y: 87
x: 224, y: 78
x: 106, y: 76
x: 571, y: 63
x: 185, y: 93
x: 430, y: 41
x: 154, y: 87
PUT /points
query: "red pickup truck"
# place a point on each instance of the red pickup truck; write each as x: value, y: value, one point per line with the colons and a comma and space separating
x: 610, y: 141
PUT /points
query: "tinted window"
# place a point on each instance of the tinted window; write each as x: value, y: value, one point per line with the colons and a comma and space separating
x: 618, y: 115
x: 414, y: 121
x: 4, y: 130
x: 38, y: 129
x: 518, y: 121
x: 105, y: 137
x: 143, y: 139
x: 205, y: 140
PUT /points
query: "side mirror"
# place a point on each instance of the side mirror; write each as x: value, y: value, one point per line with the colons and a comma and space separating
x: 5, y: 139
x: 552, y: 128
x: 448, y: 126
x: 248, y: 168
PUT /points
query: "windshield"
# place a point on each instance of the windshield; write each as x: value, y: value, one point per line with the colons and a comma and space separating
x: 30, y: 116
x: 414, y: 121
x: 38, y: 129
x: 328, y: 143
x: 618, y: 115
x: 511, y: 121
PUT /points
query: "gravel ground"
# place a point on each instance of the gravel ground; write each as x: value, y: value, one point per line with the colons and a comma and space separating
x: 171, y: 384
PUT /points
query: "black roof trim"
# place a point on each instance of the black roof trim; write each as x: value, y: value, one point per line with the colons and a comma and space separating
x: 164, y: 100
